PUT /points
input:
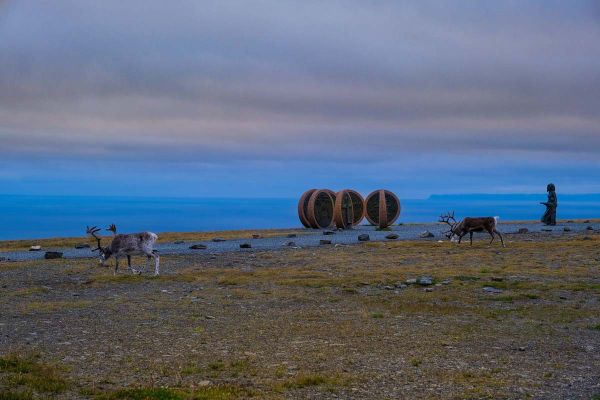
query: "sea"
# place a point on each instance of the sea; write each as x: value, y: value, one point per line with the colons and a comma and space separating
x: 35, y: 217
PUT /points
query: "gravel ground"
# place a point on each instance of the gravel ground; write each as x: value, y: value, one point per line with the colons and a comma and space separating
x: 309, y: 238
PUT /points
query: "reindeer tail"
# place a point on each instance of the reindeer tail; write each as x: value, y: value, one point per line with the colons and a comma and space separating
x: 496, y: 218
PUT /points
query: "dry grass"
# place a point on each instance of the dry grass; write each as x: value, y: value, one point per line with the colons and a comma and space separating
x: 308, y: 323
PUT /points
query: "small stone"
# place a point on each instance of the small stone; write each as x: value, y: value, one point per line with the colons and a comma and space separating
x: 209, y: 317
x: 590, y: 228
x: 198, y: 247
x: 290, y: 244
x: 445, y: 282
x: 80, y: 246
x: 35, y: 248
x: 489, y: 289
x: 217, y: 240
x: 245, y: 246
x: 411, y: 281
x: 425, y: 281
x: 521, y: 348
x: 3, y: 259
x: 428, y: 289
x: 562, y: 297
x: 392, y: 236
x: 497, y: 278
x: 204, y: 383
x: 389, y: 287
x: 566, y: 229
x: 426, y: 234
x: 52, y: 255
x: 523, y: 231
x: 256, y: 236
x: 363, y: 237
x: 327, y: 233
x: 178, y: 242
x: 401, y: 286
x: 324, y: 242
x: 547, y: 230
x: 291, y: 235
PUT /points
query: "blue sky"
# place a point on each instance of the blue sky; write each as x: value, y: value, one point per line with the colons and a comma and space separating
x: 269, y: 98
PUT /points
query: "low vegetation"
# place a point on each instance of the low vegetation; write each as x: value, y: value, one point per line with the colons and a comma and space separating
x: 310, y: 323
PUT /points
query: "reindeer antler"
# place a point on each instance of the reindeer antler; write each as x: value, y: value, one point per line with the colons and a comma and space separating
x: 92, y: 231
x: 112, y: 228
x: 448, y: 219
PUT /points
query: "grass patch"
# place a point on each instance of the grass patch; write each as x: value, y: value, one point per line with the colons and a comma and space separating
x: 506, y: 299
x: 216, y: 392
x: 310, y: 380
x: 29, y: 375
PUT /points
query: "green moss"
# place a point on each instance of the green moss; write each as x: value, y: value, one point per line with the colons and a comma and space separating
x: 29, y: 373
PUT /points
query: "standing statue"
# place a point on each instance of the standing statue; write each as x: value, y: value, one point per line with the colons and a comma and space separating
x: 549, y: 217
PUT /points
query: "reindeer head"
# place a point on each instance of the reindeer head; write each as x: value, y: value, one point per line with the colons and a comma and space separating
x: 104, y: 252
x: 449, y: 219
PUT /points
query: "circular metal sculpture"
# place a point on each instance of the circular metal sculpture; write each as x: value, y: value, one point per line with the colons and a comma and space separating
x: 349, y: 209
x: 382, y: 208
x: 319, y: 212
x: 303, y: 207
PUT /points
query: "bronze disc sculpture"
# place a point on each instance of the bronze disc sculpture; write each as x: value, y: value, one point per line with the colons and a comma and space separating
x: 349, y: 209
x: 303, y: 207
x: 319, y: 211
x: 382, y: 208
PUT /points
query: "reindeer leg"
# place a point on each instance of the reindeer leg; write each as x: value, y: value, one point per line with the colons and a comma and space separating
x: 491, y: 232
x: 471, y: 237
x: 129, y: 265
x: 116, y: 265
x: 156, y: 263
x: 501, y: 238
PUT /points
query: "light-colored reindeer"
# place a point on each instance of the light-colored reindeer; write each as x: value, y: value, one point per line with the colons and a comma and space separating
x: 470, y: 225
x: 127, y: 245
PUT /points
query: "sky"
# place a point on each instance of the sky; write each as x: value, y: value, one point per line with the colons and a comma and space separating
x: 270, y: 98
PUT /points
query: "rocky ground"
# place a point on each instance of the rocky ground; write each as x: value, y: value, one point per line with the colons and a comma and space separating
x: 355, y: 321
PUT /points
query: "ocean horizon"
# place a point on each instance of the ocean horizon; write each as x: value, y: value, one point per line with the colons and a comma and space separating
x: 36, y: 217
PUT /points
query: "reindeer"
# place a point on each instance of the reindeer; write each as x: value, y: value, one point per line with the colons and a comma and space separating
x: 470, y: 225
x: 126, y: 245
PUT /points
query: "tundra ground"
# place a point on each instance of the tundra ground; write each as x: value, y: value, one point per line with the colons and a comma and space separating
x: 318, y: 323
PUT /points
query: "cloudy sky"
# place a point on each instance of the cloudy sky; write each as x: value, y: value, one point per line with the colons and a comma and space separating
x: 269, y: 98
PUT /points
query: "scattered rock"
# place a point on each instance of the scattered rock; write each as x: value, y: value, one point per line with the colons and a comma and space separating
x: 445, y: 282
x: 245, y: 246
x: 392, y: 236
x: 489, y: 289
x: 198, y: 247
x: 217, y: 240
x: 80, y: 246
x: 523, y: 231
x: 327, y: 233
x: 428, y: 289
x: 3, y: 259
x: 590, y: 228
x: 425, y: 281
x: 547, y: 230
x: 521, y: 348
x: 291, y: 235
x: 209, y: 317
x: 35, y: 248
x: 389, y: 287
x: 256, y: 236
x: 401, y: 285
x: 204, y: 383
x: 52, y: 255
x: 323, y: 241
x: 411, y: 281
x: 178, y: 242
x: 426, y: 234
x: 562, y: 297
x: 497, y: 278
x: 363, y: 237
x: 290, y: 244
x: 567, y: 229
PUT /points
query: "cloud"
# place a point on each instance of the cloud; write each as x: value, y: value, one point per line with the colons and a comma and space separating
x: 299, y: 81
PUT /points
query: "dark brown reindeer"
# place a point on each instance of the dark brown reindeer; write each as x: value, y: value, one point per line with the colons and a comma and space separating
x: 470, y: 225
x: 127, y: 245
